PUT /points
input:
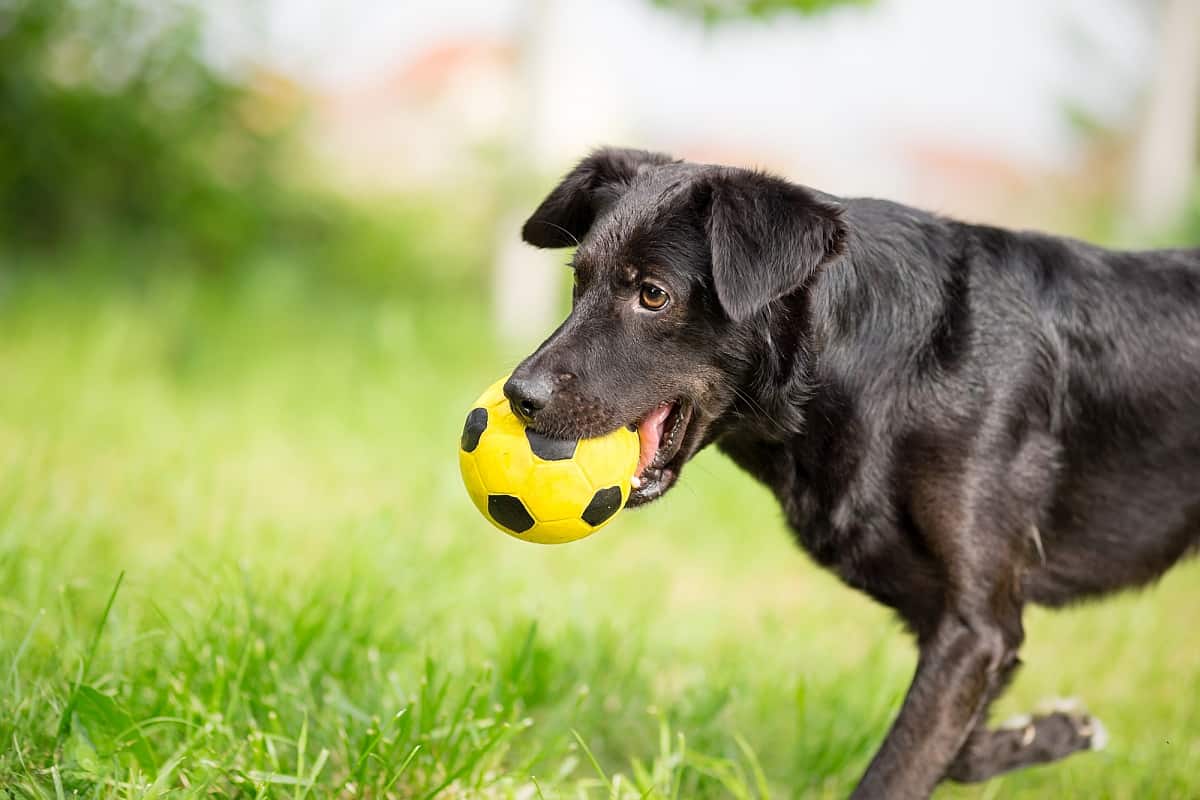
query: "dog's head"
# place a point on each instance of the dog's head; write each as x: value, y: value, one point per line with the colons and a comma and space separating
x: 673, y: 261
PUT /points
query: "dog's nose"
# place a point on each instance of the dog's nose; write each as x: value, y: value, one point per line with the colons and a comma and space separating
x: 528, y: 394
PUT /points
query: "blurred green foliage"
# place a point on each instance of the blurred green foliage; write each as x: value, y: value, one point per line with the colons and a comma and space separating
x: 125, y: 151
x: 115, y: 127
x: 110, y: 121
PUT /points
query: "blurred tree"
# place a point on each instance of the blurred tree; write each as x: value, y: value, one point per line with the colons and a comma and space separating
x: 717, y: 10
x: 525, y: 282
x: 112, y: 123
x: 1164, y: 157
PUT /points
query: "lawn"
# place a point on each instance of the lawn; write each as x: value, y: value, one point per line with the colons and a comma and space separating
x: 237, y: 561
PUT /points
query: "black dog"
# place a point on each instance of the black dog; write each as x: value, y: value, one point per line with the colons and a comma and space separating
x: 956, y: 419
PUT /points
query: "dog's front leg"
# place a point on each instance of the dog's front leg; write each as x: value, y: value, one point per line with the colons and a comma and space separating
x: 956, y: 673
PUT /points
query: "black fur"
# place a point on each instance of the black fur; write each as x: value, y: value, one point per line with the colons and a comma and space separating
x: 957, y: 419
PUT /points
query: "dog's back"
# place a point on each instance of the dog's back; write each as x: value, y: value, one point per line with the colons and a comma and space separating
x: 1126, y: 330
x: 1086, y: 359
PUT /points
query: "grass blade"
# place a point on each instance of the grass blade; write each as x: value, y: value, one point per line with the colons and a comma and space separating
x: 760, y: 777
x: 592, y: 758
x: 412, y: 754
x: 65, y: 721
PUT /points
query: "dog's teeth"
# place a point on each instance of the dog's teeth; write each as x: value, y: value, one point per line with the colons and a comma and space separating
x: 635, y: 482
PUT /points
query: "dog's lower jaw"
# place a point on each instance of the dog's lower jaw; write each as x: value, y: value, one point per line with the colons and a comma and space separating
x: 676, y: 444
x: 654, y: 483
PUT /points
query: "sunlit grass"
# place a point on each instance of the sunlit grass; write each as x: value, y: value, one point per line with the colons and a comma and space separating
x: 311, y: 607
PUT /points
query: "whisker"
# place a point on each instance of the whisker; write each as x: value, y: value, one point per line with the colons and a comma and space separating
x: 560, y: 227
x: 756, y: 406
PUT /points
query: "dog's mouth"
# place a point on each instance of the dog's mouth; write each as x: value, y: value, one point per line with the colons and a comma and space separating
x: 661, y: 433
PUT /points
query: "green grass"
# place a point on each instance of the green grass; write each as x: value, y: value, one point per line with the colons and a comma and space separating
x: 236, y: 561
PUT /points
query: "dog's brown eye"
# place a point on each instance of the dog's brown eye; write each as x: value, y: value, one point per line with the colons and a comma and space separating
x: 653, y: 297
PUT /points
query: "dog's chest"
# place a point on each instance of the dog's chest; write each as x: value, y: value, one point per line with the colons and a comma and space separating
x: 840, y: 515
x: 821, y: 509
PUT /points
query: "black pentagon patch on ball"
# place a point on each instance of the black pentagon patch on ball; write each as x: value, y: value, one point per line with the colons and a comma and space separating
x: 509, y: 512
x: 604, y: 504
x: 476, y: 422
x: 549, y: 449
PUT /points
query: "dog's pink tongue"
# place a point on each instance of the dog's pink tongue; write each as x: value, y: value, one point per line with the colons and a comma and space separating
x: 650, y: 431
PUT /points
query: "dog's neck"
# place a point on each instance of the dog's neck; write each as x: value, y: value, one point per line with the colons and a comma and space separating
x: 798, y: 412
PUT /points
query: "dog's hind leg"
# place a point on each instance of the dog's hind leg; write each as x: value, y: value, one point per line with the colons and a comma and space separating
x: 1026, y: 741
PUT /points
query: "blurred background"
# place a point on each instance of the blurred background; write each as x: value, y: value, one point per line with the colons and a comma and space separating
x: 257, y: 258
x: 226, y: 130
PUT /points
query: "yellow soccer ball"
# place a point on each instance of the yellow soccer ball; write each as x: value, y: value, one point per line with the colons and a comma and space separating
x: 538, y: 489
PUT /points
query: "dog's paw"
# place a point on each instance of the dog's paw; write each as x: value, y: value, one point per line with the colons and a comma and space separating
x: 1059, y: 729
x: 1066, y: 720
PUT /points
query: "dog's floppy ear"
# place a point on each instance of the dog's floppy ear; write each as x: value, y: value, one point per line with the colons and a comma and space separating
x: 569, y: 210
x: 767, y: 236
